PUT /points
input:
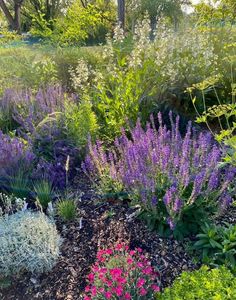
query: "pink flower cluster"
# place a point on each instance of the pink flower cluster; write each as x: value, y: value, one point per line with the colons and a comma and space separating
x: 124, y: 274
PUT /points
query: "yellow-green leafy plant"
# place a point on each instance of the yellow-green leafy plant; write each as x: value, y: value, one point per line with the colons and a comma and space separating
x: 80, y: 122
x: 203, y: 284
x: 8, y: 36
x: 29, y: 242
x: 85, y: 23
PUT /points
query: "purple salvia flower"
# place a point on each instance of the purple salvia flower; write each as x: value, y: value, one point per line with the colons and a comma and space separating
x: 154, y: 200
x: 156, y: 158
x: 171, y: 223
x: 177, y: 205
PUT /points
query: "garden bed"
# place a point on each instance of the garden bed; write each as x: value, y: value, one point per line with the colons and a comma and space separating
x: 103, y: 224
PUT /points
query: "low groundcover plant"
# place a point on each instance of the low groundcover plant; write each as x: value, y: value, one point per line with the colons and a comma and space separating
x: 29, y: 242
x: 176, y: 181
x: 121, y: 273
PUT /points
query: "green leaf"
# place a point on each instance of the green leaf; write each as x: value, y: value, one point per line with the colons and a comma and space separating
x: 200, y: 243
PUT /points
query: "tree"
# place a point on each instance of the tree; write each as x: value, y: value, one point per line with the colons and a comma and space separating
x: 171, y: 9
x: 86, y: 22
x: 14, y: 20
x: 216, y: 12
x: 41, y: 14
x: 121, y: 13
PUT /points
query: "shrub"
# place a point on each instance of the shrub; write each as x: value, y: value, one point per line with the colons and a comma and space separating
x: 29, y: 242
x: 175, y: 180
x: 120, y: 273
x: 67, y: 58
x: 217, y: 245
x: 53, y: 172
x: 7, y: 37
x: 66, y: 209
x: 202, y: 284
x: 122, y: 86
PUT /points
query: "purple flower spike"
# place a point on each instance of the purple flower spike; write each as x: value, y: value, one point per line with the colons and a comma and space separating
x: 160, y: 164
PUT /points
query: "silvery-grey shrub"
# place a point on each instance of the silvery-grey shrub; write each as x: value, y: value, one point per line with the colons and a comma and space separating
x: 28, y: 242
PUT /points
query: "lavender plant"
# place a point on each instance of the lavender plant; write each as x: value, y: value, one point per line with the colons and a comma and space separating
x: 40, y: 118
x: 175, y: 180
x: 13, y: 152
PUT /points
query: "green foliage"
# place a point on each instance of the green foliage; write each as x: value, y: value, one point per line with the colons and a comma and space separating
x: 135, y: 78
x: 84, y: 23
x: 80, y: 122
x: 119, y: 97
x: 169, y: 9
x: 29, y: 242
x: 67, y: 209
x: 8, y: 37
x: 122, y: 87
x: 23, y: 67
x: 203, y: 284
x: 224, y: 114
x: 217, y: 245
x: 211, y: 14
x: 44, y: 192
x: 39, y: 16
x: 19, y: 184
x: 67, y: 58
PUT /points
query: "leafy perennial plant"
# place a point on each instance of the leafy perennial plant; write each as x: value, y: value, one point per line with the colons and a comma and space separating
x: 175, y: 180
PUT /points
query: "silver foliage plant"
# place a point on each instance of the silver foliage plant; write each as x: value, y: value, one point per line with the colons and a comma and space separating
x: 10, y: 203
x: 28, y: 242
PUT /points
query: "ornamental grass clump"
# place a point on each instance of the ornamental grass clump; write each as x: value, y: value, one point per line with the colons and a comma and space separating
x: 67, y: 209
x: 176, y: 181
x: 120, y: 273
x: 29, y: 242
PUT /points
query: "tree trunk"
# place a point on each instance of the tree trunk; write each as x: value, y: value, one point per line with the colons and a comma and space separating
x: 14, y: 22
x: 7, y: 14
x: 121, y: 13
x: 17, y: 21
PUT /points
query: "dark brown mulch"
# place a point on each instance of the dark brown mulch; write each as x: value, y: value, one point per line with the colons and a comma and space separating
x: 228, y: 216
x: 102, y: 225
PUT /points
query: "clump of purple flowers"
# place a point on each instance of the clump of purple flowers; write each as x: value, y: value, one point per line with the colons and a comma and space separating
x: 28, y: 109
x: 13, y: 153
x: 36, y: 119
x: 174, y: 179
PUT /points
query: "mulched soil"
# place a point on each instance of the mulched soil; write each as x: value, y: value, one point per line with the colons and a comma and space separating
x: 102, y: 225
